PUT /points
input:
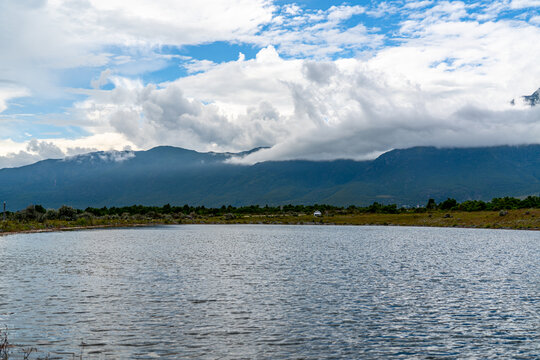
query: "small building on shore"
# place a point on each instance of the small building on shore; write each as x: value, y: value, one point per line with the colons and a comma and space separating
x: 317, y: 213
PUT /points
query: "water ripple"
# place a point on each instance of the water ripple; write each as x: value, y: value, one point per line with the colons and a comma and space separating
x: 266, y: 292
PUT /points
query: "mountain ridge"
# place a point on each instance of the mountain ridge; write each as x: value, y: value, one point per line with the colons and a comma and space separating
x: 178, y: 176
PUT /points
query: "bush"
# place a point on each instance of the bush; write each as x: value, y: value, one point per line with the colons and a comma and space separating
x: 448, y: 204
x: 472, y: 205
x: 31, y: 213
x: 67, y: 213
x: 51, y: 214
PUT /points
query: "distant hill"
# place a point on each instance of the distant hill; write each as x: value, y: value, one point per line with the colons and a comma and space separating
x: 179, y: 176
x: 533, y: 99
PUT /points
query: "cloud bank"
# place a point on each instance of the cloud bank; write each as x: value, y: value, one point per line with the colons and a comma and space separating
x: 449, y: 86
x: 323, y: 85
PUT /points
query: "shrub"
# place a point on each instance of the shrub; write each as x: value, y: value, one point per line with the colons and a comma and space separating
x: 448, y: 204
x: 67, y: 213
x: 51, y: 214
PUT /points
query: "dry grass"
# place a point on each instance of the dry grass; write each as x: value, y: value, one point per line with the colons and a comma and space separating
x: 513, y: 219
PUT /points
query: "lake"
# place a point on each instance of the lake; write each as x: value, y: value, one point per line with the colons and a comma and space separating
x: 257, y: 291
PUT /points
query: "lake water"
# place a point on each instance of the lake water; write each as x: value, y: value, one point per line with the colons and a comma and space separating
x: 255, y: 291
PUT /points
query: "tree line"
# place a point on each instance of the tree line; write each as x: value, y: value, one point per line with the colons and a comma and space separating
x: 67, y: 213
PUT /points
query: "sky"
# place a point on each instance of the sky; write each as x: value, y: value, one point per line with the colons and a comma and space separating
x: 311, y: 79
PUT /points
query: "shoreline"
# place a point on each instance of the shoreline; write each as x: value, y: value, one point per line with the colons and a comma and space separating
x: 515, y: 220
x: 78, y: 228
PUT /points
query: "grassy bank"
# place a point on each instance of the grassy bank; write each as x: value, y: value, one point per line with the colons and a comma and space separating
x: 511, y: 219
x: 522, y: 219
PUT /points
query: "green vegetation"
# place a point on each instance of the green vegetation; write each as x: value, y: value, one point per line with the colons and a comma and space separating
x: 505, y: 212
x: 178, y: 176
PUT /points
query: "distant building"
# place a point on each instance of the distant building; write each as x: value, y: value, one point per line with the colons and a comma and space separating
x: 317, y: 213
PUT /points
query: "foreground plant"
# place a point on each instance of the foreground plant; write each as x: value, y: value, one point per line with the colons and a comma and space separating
x: 6, y: 348
x: 4, y: 345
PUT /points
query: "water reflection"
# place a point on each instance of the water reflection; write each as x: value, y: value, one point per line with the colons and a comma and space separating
x: 274, y: 292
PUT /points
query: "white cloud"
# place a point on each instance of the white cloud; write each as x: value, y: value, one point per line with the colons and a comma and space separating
x: 535, y: 20
x: 18, y: 159
x: 151, y: 115
x: 521, y: 4
x: 38, y: 38
x: 103, y: 79
x: 34, y: 45
x: 10, y: 91
x: 317, y: 34
x: 195, y: 66
x: 237, y: 85
x: 343, y: 12
x: 383, y: 8
x: 33, y: 151
x: 447, y: 80
x: 418, y: 4
x: 14, y: 154
x: 443, y: 11
x: 44, y: 149
x: 158, y: 22
x: 107, y: 156
x: 451, y: 86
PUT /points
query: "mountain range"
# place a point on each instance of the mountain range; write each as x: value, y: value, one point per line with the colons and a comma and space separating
x: 178, y: 176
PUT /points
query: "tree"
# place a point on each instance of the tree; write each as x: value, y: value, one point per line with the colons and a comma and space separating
x: 40, y: 209
x: 448, y: 204
x: 431, y: 205
x: 29, y: 214
x: 67, y: 213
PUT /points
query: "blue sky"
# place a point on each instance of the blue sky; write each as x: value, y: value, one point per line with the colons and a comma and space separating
x: 309, y: 79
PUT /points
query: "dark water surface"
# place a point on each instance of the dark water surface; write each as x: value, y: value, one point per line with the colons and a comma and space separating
x: 274, y: 292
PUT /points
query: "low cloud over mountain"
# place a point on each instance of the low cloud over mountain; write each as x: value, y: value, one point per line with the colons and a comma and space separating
x: 344, y: 81
x: 179, y: 176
